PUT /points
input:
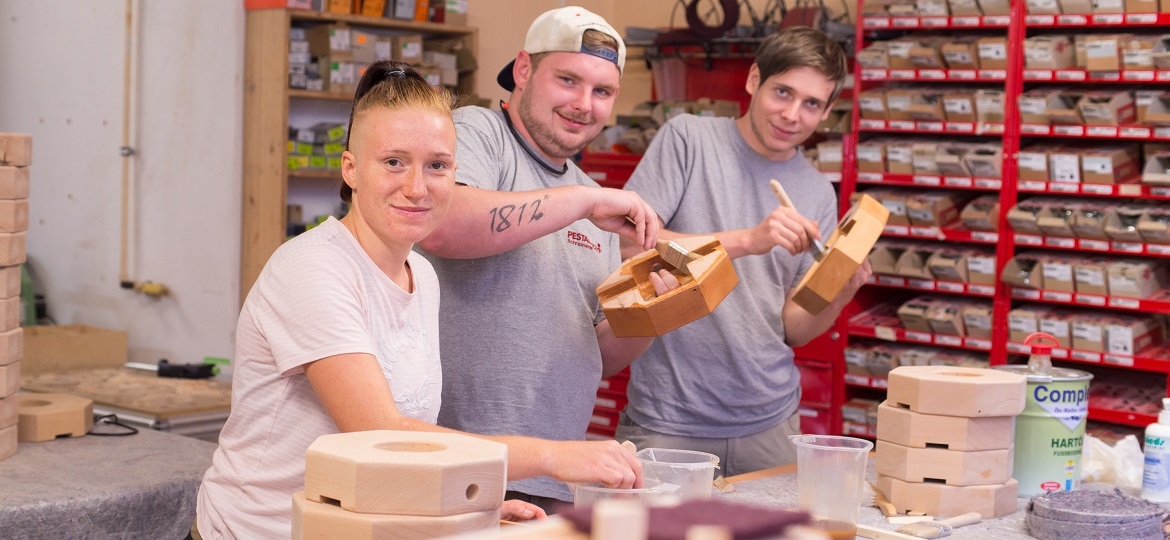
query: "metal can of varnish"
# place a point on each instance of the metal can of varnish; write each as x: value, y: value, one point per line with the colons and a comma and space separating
x: 1050, y: 433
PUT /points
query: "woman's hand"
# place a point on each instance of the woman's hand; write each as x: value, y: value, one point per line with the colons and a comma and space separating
x: 516, y: 510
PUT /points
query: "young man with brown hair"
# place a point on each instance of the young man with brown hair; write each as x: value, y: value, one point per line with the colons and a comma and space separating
x: 726, y: 384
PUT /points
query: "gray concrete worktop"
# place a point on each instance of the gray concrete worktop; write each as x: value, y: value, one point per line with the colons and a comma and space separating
x: 138, y: 486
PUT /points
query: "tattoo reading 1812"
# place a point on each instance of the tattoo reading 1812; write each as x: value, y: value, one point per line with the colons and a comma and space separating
x: 502, y: 216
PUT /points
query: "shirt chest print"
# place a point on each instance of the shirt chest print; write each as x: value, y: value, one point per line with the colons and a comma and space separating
x: 581, y: 240
x: 412, y: 336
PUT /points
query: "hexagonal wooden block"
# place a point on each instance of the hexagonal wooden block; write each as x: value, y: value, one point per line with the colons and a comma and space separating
x: 953, y: 467
x: 9, y: 281
x: 8, y: 441
x: 44, y: 417
x: 9, y: 313
x: 11, y: 346
x: 845, y: 250
x: 9, y: 378
x: 956, y: 391
x: 15, y: 149
x: 9, y: 410
x: 13, y: 248
x: 13, y: 215
x: 633, y: 309
x: 943, y: 501
x: 407, y: 472
x: 314, y: 520
x: 917, y: 430
x: 13, y: 182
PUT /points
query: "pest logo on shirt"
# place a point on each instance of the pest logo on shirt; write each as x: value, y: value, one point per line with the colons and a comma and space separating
x: 580, y: 240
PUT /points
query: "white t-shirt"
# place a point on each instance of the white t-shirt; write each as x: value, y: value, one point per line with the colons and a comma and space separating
x: 319, y: 295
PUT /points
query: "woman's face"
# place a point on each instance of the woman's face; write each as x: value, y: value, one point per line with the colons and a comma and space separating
x: 401, y: 167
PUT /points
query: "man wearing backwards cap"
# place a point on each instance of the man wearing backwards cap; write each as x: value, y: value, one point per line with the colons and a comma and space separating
x: 528, y: 239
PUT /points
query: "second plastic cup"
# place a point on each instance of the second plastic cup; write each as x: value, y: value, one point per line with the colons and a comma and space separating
x: 691, y: 471
x: 830, y: 473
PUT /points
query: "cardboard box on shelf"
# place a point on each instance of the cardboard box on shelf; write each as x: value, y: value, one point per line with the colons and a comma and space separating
x: 898, y: 101
x: 965, y: 8
x: 1154, y: 226
x: 830, y: 156
x: 875, y: 56
x: 913, y: 314
x: 1107, y: 108
x: 1161, y: 53
x: 945, y: 317
x: 995, y: 7
x: 1141, y: 102
x: 1102, y: 52
x: 1089, y: 220
x: 899, y: 53
x: 1141, y: 6
x: 900, y: 157
x: 1108, y: 6
x: 855, y: 359
x: 1137, y: 52
x: 1024, y: 321
x: 1157, y: 169
x: 1035, y: 104
x: 363, y: 46
x: 872, y: 104
x: 989, y: 106
x: 1058, y: 325
x: 1064, y: 165
x: 924, y: 54
x: 1088, y: 332
x: 1058, y: 274
x: 373, y: 8
x: 1033, y: 164
x: 1136, y: 278
x: 884, y: 257
x: 1109, y: 165
x: 933, y: 8
x: 1043, y: 7
x: 882, y: 359
x: 948, y: 265
x: 1024, y: 216
x: 924, y: 158
x: 1056, y: 219
x: 992, y: 52
x: 408, y: 48
x: 871, y: 156
x: 1158, y: 110
x: 981, y: 214
x: 912, y: 263
x: 927, y: 105
x: 977, y: 320
x: 1089, y: 276
x: 961, y: 54
x: 1129, y: 335
x: 1076, y: 7
x: 1023, y: 270
x: 893, y: 200
x: 949, y: 159
x: 984, y: 161
x: 1121, y: 222
x: 1065, y: 108
x: 959, y: 105
x: 329, y: 41
x: 1049, y: 52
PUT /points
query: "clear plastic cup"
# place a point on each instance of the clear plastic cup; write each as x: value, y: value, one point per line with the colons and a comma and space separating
x: 830, y: 473
x: 649, y: 494
x: 693, y: 472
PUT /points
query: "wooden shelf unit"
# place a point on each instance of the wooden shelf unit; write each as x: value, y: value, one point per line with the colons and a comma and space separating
x: 266, y: 112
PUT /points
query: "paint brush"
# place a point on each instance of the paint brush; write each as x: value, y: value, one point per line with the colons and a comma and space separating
x: 815, y: 247
x: 940, y: 528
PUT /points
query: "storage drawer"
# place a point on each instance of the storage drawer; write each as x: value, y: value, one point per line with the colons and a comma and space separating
x: 609, y: 399
x: 815, y: 419
x: 824, y: 348
x: 816, y: 381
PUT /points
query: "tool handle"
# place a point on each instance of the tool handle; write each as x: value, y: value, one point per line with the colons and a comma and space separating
x: 970, y: 518
x: 781, y: 194
x: 874, y: 533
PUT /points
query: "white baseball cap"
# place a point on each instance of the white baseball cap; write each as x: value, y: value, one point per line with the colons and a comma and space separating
x: 561, y: 30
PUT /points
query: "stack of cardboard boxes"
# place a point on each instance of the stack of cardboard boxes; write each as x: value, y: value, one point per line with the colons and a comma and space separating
x: 15, y: 157
x: 1132, y: 226
x: 1087, y: 335
x: 935, y: 8
x: 333, y: 57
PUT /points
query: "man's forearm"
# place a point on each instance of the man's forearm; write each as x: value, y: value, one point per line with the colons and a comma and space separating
x: 481, y: 223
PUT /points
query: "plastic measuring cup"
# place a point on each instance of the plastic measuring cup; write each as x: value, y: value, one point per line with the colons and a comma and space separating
x: 650, y: 494
x: 691, y: 471
x: 830, y: 472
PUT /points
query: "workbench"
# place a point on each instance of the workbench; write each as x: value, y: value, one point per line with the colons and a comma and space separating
x: 137, y: 486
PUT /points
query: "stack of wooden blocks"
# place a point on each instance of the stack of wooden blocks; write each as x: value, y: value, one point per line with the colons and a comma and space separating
x: 401, y: 485
x: 15, y: 157
x: 945, y: 438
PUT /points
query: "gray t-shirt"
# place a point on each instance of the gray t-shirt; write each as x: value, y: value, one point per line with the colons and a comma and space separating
x: 520, y: 356
x: 729, y: 374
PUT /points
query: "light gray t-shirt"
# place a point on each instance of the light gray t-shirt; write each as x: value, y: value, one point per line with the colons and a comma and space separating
x: 520, y: 356
x: 729, y: 374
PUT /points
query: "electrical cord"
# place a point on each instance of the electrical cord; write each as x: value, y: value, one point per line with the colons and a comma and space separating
x: 111, y: 419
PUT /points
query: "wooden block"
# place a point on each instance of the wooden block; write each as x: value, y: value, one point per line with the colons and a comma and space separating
x: 9, y: 410
x: 13, y: 215
x: 956, y: 391
x: 9, y: 379
x: 952, y: 467
x: 406, y: 472
x: 44, y: 417
x: 620, y: 519
x: 846, y: 249
x: 9, y: 281
x: 917, y: 430
x: 319, y: 520
x: 16, y: 149
x: 943, y: 501
x: 9, y: 313
x: 11, y: 346
x: 628, y: 299
x: 13, y: 182
x: 8, y: 441
x: 12, y: 248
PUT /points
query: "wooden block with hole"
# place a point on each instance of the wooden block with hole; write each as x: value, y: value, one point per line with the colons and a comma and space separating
x: 917, y: 430
x: 314, y: 520
x: 9, y: 441
x: 9, y: 378
x: 13, y: 248
x: 13, y: 182
x: 407, y: 472
x: 952, y: 467
x: 44, y: 417
x: 631, y: 306
x: 845, y: 250
x: 943, y: 501
x: 13, y: 215
x: 956, y: 391
x: 15, y: 149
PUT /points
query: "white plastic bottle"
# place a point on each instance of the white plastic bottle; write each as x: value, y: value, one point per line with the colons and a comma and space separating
x: 1156, y: 475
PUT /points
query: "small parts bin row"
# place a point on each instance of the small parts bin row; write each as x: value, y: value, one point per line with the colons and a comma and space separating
x: 1092, y: 219
x: 1088, y: 331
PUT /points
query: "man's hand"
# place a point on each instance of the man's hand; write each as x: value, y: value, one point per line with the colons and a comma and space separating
x: 624, y: 213
x: 663, y: 282
x: 784, y: 228
x: 514, y: 510
x: 595, y: 461
x: 856, y: 281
